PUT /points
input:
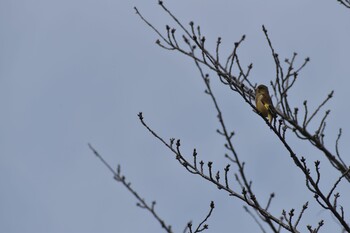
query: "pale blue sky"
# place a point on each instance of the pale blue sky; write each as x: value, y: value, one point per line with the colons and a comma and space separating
x: 73, y: 72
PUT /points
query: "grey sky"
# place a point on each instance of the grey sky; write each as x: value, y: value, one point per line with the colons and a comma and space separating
x: 73, y: 72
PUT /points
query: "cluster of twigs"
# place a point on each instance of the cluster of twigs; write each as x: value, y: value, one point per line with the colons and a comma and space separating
x: 288, y: 120
x: 241, y: 84
x: 281, y: 85
x: 231, y: 73
x: 206, y: 171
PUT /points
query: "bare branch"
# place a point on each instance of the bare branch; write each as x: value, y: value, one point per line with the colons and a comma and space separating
x: 237, y: 79
x: 255, y: 219
x: 345, y: 3
x: 202, y: 226
x: 141, y: 201
x: 190, y: 167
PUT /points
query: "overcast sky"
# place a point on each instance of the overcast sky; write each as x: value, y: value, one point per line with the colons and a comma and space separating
x: 74, y: 72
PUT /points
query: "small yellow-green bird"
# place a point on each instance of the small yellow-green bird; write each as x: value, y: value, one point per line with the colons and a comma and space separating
x: 263, y: 102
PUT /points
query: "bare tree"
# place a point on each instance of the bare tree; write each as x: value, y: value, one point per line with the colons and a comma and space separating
x: 291, y: 119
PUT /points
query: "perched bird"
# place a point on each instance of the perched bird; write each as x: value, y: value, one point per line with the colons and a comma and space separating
x: 263, y: 102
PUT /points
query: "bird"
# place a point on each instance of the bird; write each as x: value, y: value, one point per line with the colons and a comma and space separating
x: 263, y: 102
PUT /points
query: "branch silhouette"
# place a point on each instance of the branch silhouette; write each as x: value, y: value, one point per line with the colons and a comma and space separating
x: 232, y: 74
x: 345, y: 3
x: 293, y: 120
x: 117, y: 175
